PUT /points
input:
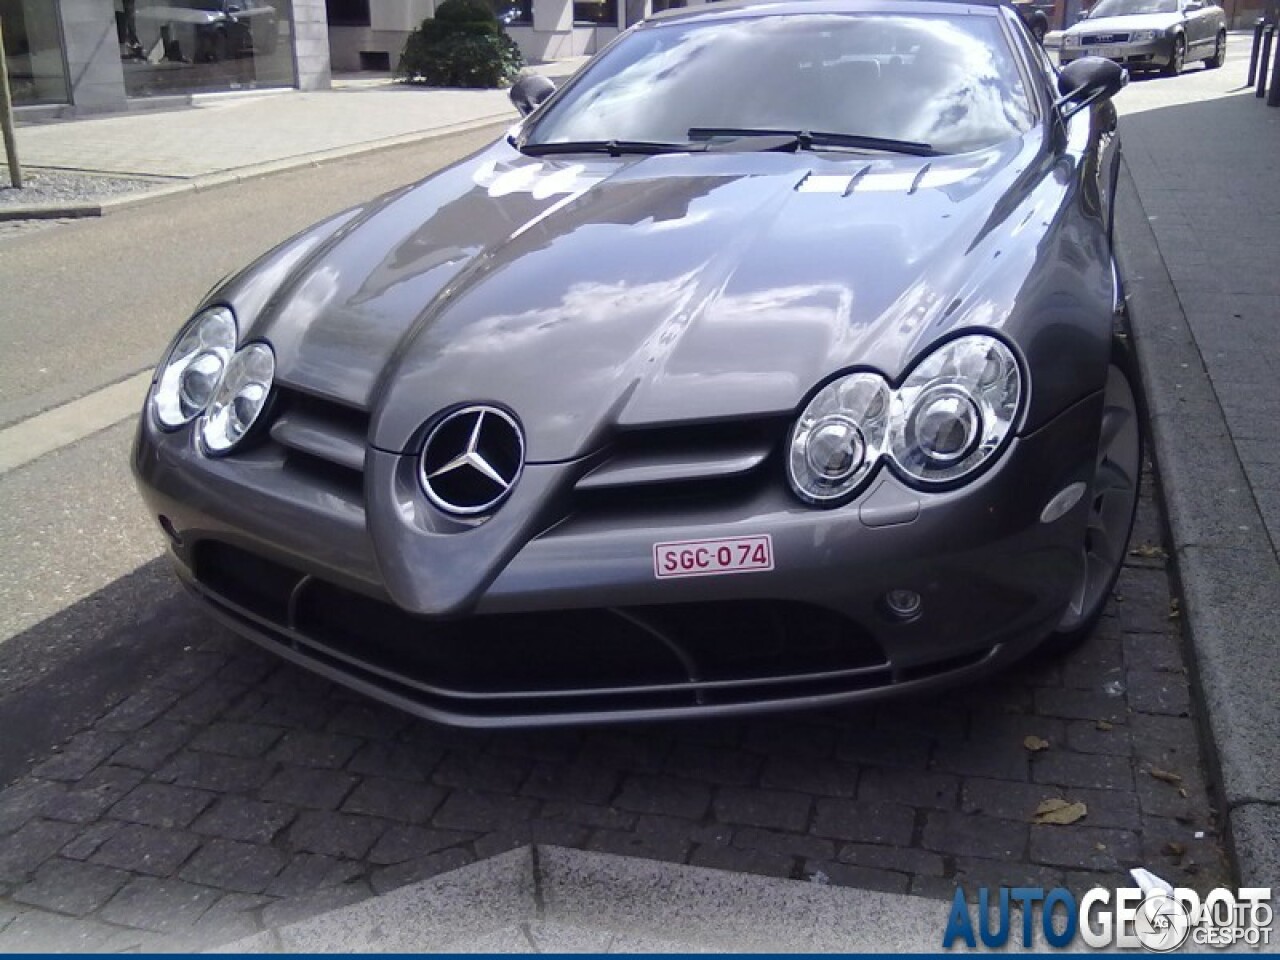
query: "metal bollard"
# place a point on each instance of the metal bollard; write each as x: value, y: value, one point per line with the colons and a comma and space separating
x: 1259, y: 25
x: 1264, y: 61
x: 1273, y: 98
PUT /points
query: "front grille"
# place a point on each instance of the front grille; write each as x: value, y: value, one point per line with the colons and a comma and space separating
x: 320, y: 437
x: 575, y: 661
x: 1104, y: 38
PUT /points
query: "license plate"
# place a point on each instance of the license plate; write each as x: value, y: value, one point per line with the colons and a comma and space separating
x: 1095, y: 51
x: 707, y: 558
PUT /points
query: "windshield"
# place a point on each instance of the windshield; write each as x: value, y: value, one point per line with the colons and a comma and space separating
x: 948, y: 81
x: 1124, y: 8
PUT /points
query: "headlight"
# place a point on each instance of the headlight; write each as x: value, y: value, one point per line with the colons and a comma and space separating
x: 952, y: 414
x: 1138, y: 36
x: 240, y: 398
x: 839, y: 438
x: 191, y: 372
x: 955, y: 409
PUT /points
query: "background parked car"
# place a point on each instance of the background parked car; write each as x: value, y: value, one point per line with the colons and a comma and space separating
x: 208, y: 30
x: 1150, y: 34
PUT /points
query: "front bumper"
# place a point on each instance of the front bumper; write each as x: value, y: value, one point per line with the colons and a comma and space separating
x: 1146, y: 53
x: 570, y: 623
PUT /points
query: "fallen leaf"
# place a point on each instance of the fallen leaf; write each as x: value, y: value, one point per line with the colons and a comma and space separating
x: 1100, y: 846
x: 1035, y: 744
x: 1165, y: 775
x: 1104, y: 726
x: 1061, y: 812
x: 1182, y: 792
x: 1174, y: 849
x: 1175, y: 609
x: 1148, y: 551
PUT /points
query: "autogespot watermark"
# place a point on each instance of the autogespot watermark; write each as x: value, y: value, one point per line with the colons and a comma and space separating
x: 1156, y: 918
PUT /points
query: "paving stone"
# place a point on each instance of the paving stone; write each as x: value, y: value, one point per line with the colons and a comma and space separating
x: 85, y: 844
x: 230, y: 919
x: 303, y: 748
x: 589, y: 815
x: 901, y: 859
x: 400, y: 760
x: 885, y: 748
x: 1172, y: 851
x: 87, y: 799
x: 211, y: 771
x: 24, y: 801
x: 295, y: 909
x: 294, y: 709
x: 911, y: 787
x: 715, y: 764
x: 138, y: 710
x: 483, y: 812
x: 1165, y: 741
x: 238, y: 818
x: 237, y: 739
x: 762, y: 808
x: 248, y: 667
x: 394, y: 800
x: 35, y: 931
x: 190, y: 671
x: 1146, y: 601
x: 147, y: 850
x: 671, y: 849
x: 400, y: 843
x: 563, y: 781
x: 389, y: 878
x: 846, y: 875
x: 481, y: 772
x: 933, y: 888
x: 203, y: 705
x: 308, y: 787
x: 335, y: 834
x: 744, y: 861
x: 1086, y: 848
x: 1084, y: 736
x: 368, y: 721
x: 161, y: 805
x: 1003, y: 759
x: 1188, y: 798
x: 1018, y: 801
x: 1152, y: 692
x: 1069, y: 770
x: 149, y: 748
x: 69, y: 886
x: 666, y: 795
x: 34, y: 843
x: 546, y: 832
x: 557, y: 745
x: 312, y: 871
x: 975, y: 835
x: 778, y: 843
x: 75, y: 759
x: 162, y: 906
x: 864, y: 822
x: 829, y: 778
x: 234, y: 866
x: 644, y: 752
x: 790, y: 739
x: 974, y: 872
x: 1153, y: 651
x: 1080, y: 704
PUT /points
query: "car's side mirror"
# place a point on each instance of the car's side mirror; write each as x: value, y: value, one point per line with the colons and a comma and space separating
x: 1087, y: 81
x: 1193, y: 6
x: 530, y: 91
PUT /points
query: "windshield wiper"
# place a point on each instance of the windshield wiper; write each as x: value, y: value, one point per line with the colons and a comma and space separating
x: 614, y: 148
x: 818, y: 140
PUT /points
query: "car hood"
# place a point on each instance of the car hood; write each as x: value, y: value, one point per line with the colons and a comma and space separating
x: 1137, y: 21
x: 589, y: 295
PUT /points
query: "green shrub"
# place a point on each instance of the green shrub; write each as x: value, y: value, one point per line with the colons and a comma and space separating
x: 464, y: 45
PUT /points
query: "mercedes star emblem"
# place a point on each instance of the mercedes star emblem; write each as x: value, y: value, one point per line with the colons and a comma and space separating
x: 471, y: 460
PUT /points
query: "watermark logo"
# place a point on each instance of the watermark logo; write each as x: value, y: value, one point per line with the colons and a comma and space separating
x: 1162, y: 923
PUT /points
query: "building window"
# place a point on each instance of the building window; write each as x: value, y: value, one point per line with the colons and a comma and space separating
x: 348, y: 13
x: 514, y: 13
x: 602, y: 13
x: 33, y: 48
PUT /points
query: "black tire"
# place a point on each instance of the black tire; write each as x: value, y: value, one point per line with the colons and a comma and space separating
x: 1219, y: 52
x: 1178, y: 60
x: 1123, y: 419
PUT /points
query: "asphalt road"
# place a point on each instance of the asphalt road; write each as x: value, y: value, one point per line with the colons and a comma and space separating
x: 155, y: 756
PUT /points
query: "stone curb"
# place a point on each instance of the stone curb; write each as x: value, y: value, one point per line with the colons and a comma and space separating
x: 208, y: 181
x: 1228, y: 572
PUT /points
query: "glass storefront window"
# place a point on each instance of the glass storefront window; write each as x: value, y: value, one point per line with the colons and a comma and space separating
x: 598, y: 12
x: 33, y: 47
x: 190, y: 46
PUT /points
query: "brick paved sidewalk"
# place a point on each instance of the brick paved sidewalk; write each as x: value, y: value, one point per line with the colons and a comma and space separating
x: 234, y: 791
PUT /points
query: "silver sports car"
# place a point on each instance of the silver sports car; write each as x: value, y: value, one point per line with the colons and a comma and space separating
x: 769, y: 363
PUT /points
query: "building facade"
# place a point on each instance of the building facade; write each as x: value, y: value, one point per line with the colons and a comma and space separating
x: 76, y: 57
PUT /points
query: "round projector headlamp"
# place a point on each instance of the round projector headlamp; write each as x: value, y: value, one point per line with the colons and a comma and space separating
x: 838, y: 438
x: 955, y: 409
x: 240, y: 398
x: 191, y: 372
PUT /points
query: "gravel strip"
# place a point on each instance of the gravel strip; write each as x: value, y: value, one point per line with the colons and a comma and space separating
x: 51, y: 186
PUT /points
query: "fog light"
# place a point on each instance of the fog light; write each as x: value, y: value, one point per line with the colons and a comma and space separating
x: 904, y: 604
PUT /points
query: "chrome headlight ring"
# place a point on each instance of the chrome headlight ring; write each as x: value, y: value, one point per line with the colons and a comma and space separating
x: 193, y: 368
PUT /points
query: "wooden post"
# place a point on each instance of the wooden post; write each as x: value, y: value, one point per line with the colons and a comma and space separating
x: 6, y: 118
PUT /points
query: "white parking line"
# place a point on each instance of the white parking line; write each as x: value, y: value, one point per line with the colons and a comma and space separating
x: 64, y: 425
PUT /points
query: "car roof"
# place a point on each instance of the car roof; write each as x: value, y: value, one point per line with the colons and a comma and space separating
x: 769, y: 8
